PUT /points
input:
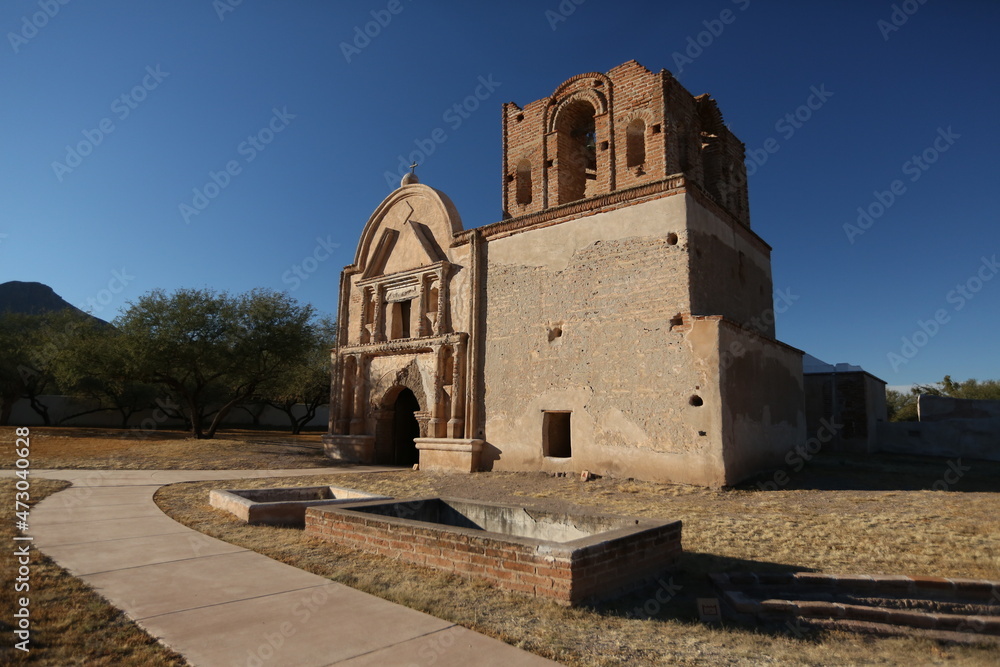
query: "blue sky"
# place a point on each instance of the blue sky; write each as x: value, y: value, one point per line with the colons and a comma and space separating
x: 222, y: 144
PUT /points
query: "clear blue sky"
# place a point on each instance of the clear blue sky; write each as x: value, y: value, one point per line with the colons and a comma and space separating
x: 200, y: 78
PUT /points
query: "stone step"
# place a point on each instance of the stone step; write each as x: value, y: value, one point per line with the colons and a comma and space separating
x: 911, y: 605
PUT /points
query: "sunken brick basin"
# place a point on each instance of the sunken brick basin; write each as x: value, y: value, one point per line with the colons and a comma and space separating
x: 568, y: 558
x: 282, y: 506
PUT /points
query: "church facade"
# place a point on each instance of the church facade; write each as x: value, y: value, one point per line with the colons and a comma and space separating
x: 619, y: 318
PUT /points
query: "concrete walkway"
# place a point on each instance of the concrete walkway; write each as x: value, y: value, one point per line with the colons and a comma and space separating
x: 219, y: 604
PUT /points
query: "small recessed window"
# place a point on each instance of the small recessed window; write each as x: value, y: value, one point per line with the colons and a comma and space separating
x: 556, y: 441
x: 696, y: 401
x: 400, y: 313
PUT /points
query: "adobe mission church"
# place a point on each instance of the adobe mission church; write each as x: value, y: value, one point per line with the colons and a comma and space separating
x: 617, y: 320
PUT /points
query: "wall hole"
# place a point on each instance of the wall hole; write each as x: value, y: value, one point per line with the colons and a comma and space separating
x: 671, y: 239
x: 696, y: 401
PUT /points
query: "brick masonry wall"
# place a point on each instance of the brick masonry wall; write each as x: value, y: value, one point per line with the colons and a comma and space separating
x: 679, y: 128
x: 565, y: 577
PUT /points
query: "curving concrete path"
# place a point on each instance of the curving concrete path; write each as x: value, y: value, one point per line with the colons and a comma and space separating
x: 219, y: 604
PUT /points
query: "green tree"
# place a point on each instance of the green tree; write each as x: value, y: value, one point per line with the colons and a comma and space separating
x: 987, y: 390
x: 27, y: 347
x: 305, y: 383
x: 92, y: 363
x: 213, y: 351
x: 901, y: 406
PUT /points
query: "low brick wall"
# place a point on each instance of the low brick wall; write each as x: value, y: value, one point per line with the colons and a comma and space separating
x: 568, y: 573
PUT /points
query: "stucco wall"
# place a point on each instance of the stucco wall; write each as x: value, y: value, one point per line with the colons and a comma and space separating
x: 958, y: 438
x: 763, y: 404
x: 932, y: 408
x: 580, y: 318
x: 733, y: 270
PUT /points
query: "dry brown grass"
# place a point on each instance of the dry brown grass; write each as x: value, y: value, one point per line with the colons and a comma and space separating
x: 843, y: 515
x: 70, y: 623
x: 111, y: 449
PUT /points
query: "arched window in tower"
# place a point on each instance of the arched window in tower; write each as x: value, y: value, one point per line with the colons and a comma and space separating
x: 523, y: 182
x: 635, y: 144
x: 576, y: 150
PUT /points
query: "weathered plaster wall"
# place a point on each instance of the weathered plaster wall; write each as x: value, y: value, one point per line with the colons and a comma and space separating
x: 932, y: 408
x: 580, y: 318
x: 732, y: 269
x: 460, y: 289
x: 955, y: 438
x: 762, y: 401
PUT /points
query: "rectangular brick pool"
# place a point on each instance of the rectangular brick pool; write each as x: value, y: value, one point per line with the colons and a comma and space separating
x: 569, y: 558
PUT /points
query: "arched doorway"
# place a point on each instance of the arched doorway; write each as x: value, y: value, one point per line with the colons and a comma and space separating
x: 405, y: 429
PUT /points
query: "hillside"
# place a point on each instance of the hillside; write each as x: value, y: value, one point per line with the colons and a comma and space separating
x: 34, y: 299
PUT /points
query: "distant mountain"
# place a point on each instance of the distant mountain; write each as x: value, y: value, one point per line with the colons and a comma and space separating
x: 34, y: 299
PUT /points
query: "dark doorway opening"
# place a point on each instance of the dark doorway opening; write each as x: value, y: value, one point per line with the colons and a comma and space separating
x: 556, y: 441
x: 405, y: 429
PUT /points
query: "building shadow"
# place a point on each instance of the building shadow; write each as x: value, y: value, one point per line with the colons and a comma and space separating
x: 879, y: 472
x: 673, y: 595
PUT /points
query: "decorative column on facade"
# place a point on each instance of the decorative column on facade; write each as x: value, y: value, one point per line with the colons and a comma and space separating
x: 456, y: 425
x: 422, y: 329
x: 378, y: 333
x: 343, y: 422
x: 437, y: 399
x: 358, y: 419
x: 439, y: 327
x: 366, y: 297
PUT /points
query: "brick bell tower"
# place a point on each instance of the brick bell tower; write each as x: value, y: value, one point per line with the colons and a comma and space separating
x: 603, y: 133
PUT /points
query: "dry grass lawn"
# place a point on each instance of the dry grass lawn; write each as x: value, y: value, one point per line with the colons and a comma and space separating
x: 838, y: 515
x: 110, y: 449
x: 70, y: 623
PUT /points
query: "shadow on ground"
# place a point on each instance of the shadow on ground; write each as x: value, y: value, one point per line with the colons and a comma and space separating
x: 880, y: 472
x: 673, y: 596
